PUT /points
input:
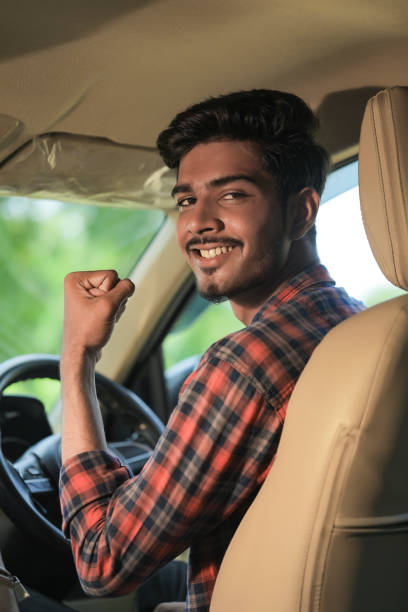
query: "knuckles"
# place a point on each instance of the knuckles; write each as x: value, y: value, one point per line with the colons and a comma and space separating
x: 93, y: 277
x: 104, y: 285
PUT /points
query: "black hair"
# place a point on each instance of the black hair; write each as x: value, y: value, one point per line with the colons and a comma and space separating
x: 280, y: 123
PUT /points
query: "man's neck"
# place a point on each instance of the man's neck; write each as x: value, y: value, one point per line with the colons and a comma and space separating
x: 246, y: 305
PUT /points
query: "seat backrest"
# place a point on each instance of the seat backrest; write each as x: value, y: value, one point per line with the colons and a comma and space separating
x: 328, y: 530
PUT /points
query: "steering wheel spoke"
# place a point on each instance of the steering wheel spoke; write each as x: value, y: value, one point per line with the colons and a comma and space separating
x: 35, y: 478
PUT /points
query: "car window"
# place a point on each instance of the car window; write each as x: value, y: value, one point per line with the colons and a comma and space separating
x: 342, y: 243
x: 42, y: 240
x: 343, y: 248
x: 198, y: 325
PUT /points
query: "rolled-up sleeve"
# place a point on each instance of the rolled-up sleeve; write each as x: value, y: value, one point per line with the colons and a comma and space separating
x: 86, y: 478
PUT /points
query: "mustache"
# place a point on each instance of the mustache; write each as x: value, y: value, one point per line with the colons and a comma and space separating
x: 194, y: 242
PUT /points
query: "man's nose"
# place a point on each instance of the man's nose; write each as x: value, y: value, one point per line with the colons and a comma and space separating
x: 204, y: 217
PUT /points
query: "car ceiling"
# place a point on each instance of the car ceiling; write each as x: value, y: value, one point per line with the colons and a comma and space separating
x: 120, y: 70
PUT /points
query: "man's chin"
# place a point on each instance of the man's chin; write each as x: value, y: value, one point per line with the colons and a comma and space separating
x: 211, y: 293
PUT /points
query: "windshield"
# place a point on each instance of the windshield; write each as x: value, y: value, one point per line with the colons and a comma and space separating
x: 42, y: 240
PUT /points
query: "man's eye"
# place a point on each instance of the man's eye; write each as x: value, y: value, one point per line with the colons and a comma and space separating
x: 185, y: 202
x: 232, y: 195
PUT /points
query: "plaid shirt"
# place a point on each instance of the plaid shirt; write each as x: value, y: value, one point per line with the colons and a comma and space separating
x: 215, y: 453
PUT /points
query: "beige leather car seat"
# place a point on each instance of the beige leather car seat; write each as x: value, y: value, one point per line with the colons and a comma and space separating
x: 328, y: 530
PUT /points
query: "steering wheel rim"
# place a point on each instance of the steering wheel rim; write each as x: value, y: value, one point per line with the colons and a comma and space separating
x: 15, y: 497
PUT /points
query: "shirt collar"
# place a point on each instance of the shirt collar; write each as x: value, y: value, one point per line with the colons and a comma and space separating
x: 315, y: 274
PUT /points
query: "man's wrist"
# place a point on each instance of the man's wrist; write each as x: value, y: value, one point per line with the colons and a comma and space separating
x: 77, y: 358
x: 83, y: 428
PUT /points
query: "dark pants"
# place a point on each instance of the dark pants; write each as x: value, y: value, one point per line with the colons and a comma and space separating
x: 168, y: 584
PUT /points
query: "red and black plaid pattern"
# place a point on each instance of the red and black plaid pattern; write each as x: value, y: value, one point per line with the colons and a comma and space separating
x: 207, y: 467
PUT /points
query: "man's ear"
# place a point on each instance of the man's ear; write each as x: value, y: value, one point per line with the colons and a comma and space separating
x: 302, y: 209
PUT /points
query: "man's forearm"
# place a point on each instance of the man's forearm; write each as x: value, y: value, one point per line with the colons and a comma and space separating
x: 82, y: 428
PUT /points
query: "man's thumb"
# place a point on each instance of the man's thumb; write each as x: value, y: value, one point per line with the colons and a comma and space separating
x: 122, y: 290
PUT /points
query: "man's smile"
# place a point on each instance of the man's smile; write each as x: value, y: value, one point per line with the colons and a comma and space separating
x: 214, y: 249
x: 212, y: 252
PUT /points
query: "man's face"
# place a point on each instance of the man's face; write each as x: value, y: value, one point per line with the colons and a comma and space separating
x: 231, y: 224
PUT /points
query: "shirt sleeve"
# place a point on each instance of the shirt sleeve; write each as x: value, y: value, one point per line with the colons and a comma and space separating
x: 215, y: 452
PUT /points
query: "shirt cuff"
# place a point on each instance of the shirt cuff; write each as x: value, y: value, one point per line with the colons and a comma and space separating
x: 86, y: 478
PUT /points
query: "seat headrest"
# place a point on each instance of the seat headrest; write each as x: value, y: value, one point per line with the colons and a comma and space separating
x: 383, y: 181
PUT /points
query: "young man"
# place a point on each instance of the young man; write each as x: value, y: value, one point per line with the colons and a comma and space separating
x: 249, y: 178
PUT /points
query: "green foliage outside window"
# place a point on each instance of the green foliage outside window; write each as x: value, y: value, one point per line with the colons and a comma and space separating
x: 44, y: 240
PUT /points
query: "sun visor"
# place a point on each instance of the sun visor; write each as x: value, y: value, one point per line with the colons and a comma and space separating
x: 74, y: 168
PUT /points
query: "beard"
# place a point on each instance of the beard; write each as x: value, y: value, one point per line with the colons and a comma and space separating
x: 214, y: 294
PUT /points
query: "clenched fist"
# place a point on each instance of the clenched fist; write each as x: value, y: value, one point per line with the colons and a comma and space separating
x: 94, y: 302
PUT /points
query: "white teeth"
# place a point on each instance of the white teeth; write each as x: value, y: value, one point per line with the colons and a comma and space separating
x: 207, y: 254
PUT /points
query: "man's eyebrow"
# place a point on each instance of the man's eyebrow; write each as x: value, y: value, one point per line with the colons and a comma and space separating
x: 181, y: 188
x: 217, y: 182
x: 230, y: 178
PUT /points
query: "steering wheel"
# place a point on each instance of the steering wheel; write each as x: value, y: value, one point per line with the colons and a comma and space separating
x: 34, y: 476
